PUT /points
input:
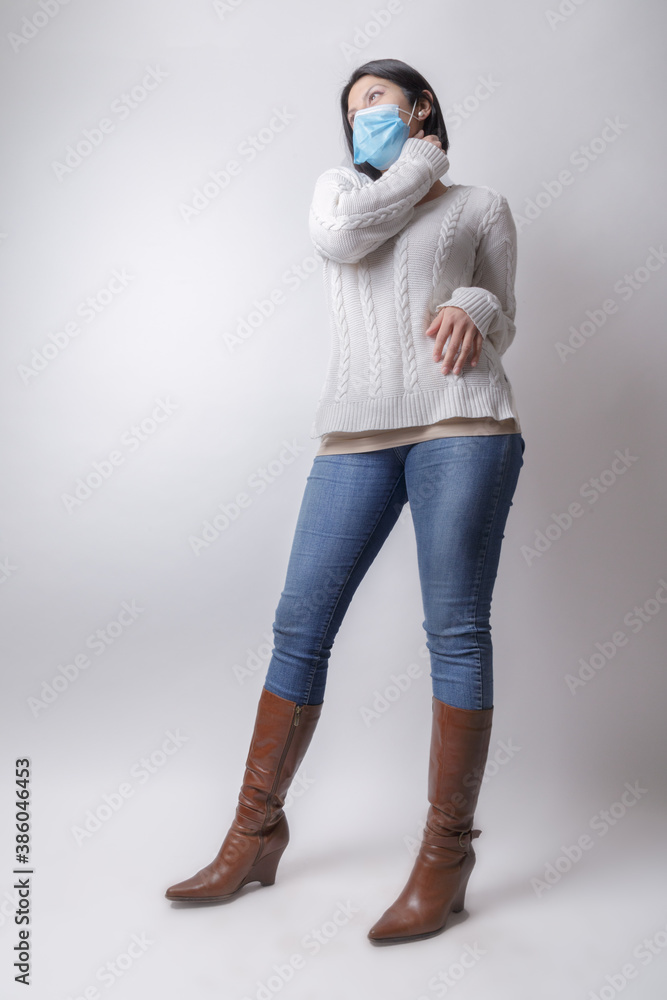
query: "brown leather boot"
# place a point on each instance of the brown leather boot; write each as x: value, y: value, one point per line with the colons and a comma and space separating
x: 259, y: 832
x: 437, y: 884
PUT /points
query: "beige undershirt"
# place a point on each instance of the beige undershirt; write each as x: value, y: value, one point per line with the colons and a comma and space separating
x: 345, y: 442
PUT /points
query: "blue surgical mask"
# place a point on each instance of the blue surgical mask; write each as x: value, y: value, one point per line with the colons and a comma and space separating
x: 379, y: 134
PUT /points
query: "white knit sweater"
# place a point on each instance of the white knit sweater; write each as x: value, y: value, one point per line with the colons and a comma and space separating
x: 388, y: 267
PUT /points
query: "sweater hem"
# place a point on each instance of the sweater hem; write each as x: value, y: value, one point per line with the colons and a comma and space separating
x: 391, y: 412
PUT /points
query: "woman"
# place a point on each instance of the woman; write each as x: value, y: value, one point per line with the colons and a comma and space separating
x: 402, y: 418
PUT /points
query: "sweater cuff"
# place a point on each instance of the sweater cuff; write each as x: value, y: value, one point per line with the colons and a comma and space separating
x: 416, y: 148
x: 478, y: 303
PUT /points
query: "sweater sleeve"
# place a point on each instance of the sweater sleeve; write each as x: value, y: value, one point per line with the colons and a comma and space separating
x: 349, y: 218
x: 490, y: 301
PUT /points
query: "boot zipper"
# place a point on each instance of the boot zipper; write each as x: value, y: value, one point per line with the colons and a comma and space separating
x: 295, y: 723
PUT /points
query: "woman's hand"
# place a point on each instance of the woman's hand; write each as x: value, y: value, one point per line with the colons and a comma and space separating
x: 455, y: 323
x: 428, y: 138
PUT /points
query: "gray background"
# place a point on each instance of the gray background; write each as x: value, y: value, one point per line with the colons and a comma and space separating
x: 193, y: 659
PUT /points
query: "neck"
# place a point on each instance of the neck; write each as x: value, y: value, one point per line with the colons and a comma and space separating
x: 434, y: 192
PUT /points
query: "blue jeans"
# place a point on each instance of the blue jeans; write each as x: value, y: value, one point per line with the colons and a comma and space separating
x: 460, y: 490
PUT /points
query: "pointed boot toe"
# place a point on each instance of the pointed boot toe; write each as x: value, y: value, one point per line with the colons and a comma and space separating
x: 437, y: 883
x: 188, y: 889
x: 403, y: 922
x: 259, y: 832
x: 390, y: 927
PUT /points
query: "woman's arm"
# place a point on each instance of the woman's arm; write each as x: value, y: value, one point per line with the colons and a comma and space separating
x: 348, y: 219
x: 490, y: 302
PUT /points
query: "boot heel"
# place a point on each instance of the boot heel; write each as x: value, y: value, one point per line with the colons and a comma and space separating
x: 265, y: 869
x: 437, y: 883
x: 459, y: 900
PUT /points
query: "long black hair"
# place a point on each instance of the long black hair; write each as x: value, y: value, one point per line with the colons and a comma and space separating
x: 413, y: 85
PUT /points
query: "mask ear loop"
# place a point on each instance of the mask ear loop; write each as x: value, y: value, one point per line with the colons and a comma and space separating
x: 412, y: 115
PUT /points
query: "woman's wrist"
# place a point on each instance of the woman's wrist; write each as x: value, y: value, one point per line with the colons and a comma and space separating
x: 436, y: 156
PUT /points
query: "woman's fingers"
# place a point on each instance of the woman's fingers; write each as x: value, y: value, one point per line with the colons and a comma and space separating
x: 475, y: 349
x: 453, y: 359
x: 478, y: 349
x: 435, y: 325
x: 453, y: 326
x: 467, y: 347
x: 442, y: 327
x: 428, y: 138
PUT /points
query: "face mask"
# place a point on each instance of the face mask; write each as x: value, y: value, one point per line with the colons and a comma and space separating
x: 379, y: 134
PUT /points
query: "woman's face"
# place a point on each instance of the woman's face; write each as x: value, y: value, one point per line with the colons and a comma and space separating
x: 369, y: 91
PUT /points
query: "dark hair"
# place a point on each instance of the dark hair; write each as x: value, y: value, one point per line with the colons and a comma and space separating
x: 413, y: 85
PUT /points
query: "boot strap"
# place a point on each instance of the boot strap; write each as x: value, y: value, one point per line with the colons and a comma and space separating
x: 452, y: 841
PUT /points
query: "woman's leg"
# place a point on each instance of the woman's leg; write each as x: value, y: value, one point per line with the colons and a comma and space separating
x: 460, y: 491
x: 350, y: 504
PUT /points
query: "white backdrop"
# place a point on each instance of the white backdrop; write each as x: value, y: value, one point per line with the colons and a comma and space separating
x: 164, y: 344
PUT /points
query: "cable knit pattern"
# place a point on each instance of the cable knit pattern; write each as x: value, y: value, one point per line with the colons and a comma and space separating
x: 368, y: 308
x: 389, y: 266
x: 410, y: 377
x: 510, y: 271
x: 341, y: 318
x: 447, y: 234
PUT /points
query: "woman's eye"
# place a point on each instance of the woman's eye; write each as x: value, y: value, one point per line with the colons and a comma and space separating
x: 375, y: 93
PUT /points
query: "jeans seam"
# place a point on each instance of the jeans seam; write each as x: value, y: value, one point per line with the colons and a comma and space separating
x: 347, y: 579
x: 483, y: 554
